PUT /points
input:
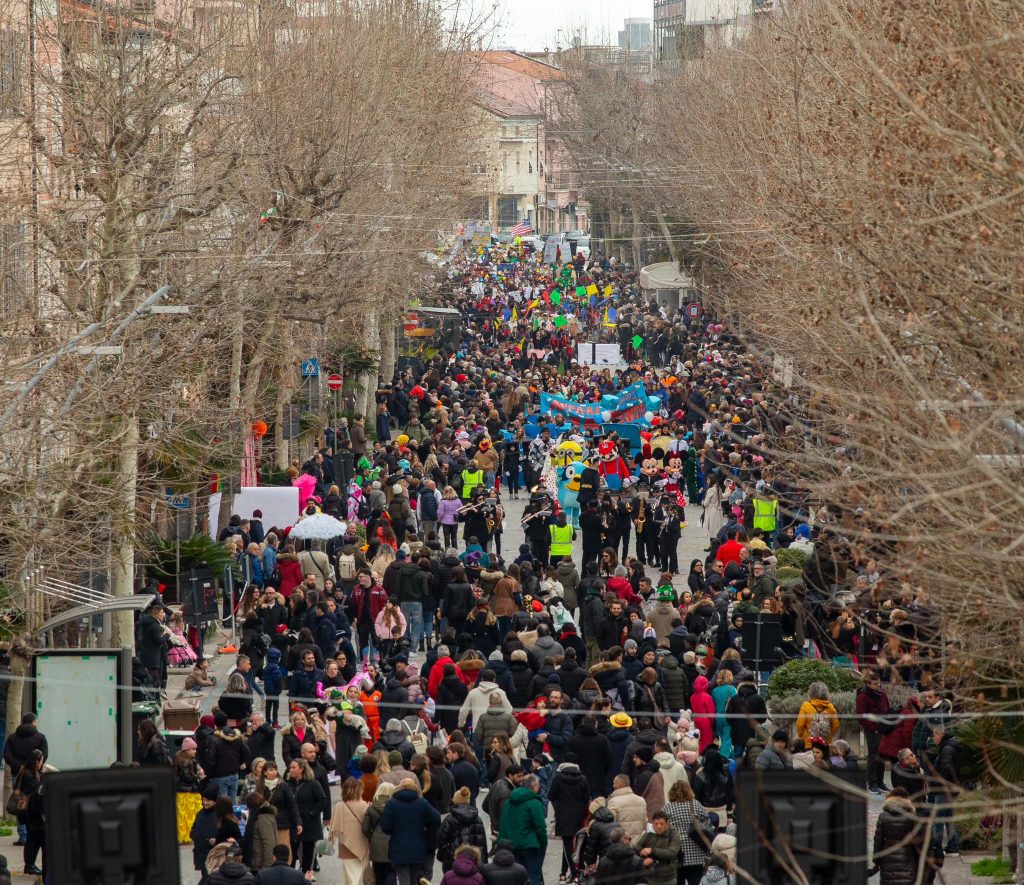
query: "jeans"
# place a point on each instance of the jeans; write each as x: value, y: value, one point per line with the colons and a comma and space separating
x: 533, y: 860
x: 427, y: 526
x: 451, y: 535
x: 489, y: 479
x: 22, y: 832
x: 944, y: 821
x: 272, y: 706
x: 227, y: 785
x: 478, y: 748
x: 414, y: 617
x: 407, y: 874
x: 504, y: 625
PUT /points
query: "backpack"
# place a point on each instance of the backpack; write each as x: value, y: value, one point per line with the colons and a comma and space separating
x: 821, y: 726
x: 622, y: 700
x: 346, y: 567
x: 363, y: 509
x: 710, y: 635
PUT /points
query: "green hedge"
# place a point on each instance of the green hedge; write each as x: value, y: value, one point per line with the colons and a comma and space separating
x: 788, y: 575
x: 791, y: 558
x: 796, y: 677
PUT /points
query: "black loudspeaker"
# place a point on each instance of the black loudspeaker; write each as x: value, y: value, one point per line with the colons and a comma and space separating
x: 111, y: 826
x: 198, y: 597
x: 762, y: 641
x: 795, y: 820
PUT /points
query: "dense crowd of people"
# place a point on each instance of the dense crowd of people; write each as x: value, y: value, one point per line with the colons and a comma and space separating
x: 474, y: 703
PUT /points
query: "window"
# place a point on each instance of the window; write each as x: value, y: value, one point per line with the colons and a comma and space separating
x: 12, y: 54
x: 14, y: 269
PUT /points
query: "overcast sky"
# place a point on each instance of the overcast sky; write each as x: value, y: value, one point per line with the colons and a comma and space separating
x: 534, y: 24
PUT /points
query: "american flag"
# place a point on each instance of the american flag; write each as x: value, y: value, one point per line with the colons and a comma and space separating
x: 522, y: 229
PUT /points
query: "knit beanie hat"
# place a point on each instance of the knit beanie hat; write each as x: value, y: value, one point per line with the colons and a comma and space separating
x: 462, y: 796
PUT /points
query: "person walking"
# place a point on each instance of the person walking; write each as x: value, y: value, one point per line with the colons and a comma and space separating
x: 689, y: 819
x: 463, y: 826
x: 378, y: 840
x: 658, y: 849
x: 899, y: 840
x: 346, y: 832
x: 313, y: 806
x: 522, y: 823
x: 569, y: 795
x: 18, y: 749
x: 410, y: 821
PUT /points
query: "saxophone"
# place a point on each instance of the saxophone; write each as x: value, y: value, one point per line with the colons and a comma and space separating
x: 641, y: 519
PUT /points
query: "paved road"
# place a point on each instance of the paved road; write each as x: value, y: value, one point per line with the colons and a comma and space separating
x: 692, y: 543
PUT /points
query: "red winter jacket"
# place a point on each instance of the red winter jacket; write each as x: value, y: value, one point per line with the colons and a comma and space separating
x: 623, y: 589
x: 437, y: 674
x: 702, y: 706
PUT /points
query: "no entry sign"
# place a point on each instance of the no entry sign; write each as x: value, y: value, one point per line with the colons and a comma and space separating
x: 694, y: 310
x: 335, y: 382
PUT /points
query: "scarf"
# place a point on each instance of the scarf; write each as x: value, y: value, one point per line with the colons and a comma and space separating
x: 271, y: 785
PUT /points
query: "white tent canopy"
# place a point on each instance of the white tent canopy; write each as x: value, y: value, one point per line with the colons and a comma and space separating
x: 664, y: 275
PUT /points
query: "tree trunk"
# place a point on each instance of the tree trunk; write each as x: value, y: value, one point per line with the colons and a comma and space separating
x: 280, y: 443
x: 637, y: 253
x: 237, y: 346
x: 123, y: 539
x: 668, y: 236
x: 368, y: 379
x: 387, y: 349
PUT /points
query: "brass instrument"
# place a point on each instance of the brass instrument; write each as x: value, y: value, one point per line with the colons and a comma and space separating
x: 465, y: 508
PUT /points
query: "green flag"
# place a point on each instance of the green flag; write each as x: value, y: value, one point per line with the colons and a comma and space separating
x: 560, y: 321
x: 581, y: 291
x: 637, y: 341
x: 556, y: 297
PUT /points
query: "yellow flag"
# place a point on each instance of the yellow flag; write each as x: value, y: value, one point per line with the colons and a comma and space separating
x: 592, y: 289
x: 608, y: 291
x: 515, y: 315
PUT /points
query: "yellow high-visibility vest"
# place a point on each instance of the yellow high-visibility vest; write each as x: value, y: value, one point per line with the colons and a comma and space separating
x: 561, y: 540
x: 470, y: 481
x: 765, y: 514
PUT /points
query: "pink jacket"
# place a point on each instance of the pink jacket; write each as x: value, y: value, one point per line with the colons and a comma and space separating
x: 384, y: 630
x: 703, y: 708
x: 306, y: 485
x: 447, y: 511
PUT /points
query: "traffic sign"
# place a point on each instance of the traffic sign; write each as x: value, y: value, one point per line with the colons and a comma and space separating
x: 310, y: 368
x: 694, y: 310
x: 335, y: 382
x: 176, y: 500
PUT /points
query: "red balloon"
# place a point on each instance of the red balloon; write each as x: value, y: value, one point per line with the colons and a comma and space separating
x: 259, y: 429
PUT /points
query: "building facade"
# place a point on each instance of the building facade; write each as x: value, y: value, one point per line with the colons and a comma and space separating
x: 684, y: 30
x: 522, y: 174
x: 636, y: 34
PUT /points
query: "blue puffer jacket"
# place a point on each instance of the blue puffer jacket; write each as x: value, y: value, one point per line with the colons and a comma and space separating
x: 409, y: 814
